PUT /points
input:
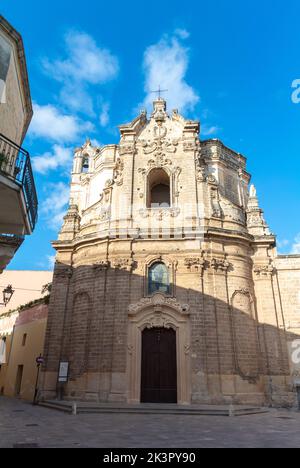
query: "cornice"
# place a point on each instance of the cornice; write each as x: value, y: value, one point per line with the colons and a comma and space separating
x: 220, y: 144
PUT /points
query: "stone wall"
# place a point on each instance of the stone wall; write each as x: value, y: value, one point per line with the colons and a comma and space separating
x: 13, y: 112
x: 228, y: 292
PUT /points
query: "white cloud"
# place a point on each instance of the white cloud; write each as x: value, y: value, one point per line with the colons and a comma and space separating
x: 182, y: 33
x: 76, y: 99
x: 281, y: 243
x: 48, y: 122
x: 54, y: 206
x: 60, y: 157
x: 296, y: 245
x: 85, y: 61
x: 85, y: 64
x: 165, y: 65
x: 104, y: 116
x: 208, y: 130
x: 51, y: 261
x: 96, y: 143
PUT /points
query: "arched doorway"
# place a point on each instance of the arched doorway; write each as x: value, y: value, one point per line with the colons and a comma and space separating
x: 159, y: 366
x: 159, y: 312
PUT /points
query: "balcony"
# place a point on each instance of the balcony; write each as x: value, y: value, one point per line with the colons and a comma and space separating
x: 18, y: 198
x: 9, y: 244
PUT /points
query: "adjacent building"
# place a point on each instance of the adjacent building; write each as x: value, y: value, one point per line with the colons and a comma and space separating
x: 22, y: 331
x: 167, y: 286
x: 24, y: 346
x: 18, y: 198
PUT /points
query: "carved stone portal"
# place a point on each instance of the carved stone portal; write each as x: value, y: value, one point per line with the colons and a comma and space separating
x: 158, y: 311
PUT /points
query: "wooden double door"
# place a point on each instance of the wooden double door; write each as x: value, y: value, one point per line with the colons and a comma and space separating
x: 159, y: 366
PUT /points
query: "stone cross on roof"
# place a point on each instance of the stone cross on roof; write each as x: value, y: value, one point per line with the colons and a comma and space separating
x: 159, y: 91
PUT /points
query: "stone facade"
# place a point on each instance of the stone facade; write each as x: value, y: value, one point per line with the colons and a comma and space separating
x: 27, y: 296
x: 229, y: 297
x: 15, y: 100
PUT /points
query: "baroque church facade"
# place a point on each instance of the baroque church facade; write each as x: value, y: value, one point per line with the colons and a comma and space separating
x: 167, y: 285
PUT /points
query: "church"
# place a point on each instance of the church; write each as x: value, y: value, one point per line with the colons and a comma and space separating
x: 168, y: 287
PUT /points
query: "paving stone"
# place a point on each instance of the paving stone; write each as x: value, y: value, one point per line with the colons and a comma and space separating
x: 278, y: 428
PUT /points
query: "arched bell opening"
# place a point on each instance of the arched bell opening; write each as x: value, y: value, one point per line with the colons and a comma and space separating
x: 159, y: 189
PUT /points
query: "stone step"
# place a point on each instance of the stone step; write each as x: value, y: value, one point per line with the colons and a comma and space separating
x: 83, y: 408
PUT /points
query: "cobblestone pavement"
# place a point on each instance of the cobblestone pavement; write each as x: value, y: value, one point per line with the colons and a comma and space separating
x: 22, y: 423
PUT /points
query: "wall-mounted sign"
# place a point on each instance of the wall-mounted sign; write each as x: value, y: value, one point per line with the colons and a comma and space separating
x: 63, y: 372
x: 294, y: 356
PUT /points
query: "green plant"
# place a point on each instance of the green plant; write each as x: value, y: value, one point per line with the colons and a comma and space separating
x: 47, y: 288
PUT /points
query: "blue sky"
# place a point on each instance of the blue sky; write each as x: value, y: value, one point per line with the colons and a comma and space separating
x: 227, y: 63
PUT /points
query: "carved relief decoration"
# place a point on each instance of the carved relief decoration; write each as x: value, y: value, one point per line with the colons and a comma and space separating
x: 123, y: 264
x: 118, y: 172
x: 160, y: 147
x: 159, y: 321
x: 216, y: 209
x: 176, y: 175
x: 127, y: 148
x: 264, y: 271
x: 192, y: 145
x: 160, y: 213
x: 219, y: 264
x: 195, y: 264
x: 158, y: 301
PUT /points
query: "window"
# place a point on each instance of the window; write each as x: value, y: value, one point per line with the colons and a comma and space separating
x: 19, y: 377
x: 24, y: 339
x: 158, y: 279
x: 159, y: 193
x: 5, y: 57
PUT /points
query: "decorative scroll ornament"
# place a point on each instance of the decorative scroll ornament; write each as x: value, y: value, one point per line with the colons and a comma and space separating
x: 160, y: 147
x: 159, y: 161
x: 159, y: 321
x: 158, y: 301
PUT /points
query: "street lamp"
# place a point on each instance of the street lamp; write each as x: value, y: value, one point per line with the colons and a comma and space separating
x: 7, y: 295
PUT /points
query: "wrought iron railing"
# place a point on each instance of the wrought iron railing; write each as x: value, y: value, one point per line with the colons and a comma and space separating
x: 11, y: 239
x: 15, y: 164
